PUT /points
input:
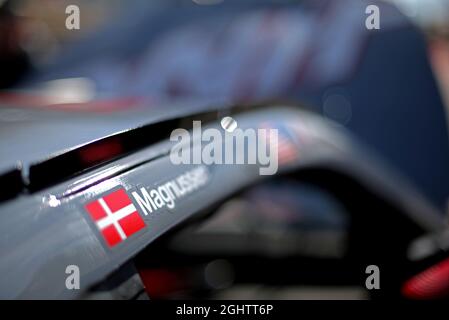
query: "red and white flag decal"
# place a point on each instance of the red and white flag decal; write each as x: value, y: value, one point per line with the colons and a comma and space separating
x: 115, y: 216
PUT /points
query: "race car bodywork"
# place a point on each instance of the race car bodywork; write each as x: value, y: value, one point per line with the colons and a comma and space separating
x: 88, y: 184
x: 52, y: 222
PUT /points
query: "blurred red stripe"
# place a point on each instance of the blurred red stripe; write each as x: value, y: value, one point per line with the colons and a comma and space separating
x: 432, y: 283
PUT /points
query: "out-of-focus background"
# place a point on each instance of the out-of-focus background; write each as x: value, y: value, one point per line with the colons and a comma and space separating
x: 39, y: 27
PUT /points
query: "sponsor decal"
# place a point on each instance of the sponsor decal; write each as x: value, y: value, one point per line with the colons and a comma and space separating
x: 285, y: 144
x: 115, y: 216
x: 166, y: 195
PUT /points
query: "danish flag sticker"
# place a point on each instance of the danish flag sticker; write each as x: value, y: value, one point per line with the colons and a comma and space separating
x: 115, y: 216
